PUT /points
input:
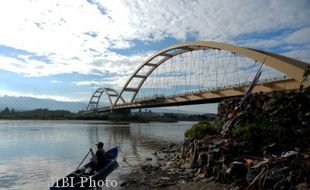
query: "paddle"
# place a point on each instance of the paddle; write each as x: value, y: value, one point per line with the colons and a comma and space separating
x: 84, y: 158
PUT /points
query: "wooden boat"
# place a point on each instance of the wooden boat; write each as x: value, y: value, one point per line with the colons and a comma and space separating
x: 80, y: 179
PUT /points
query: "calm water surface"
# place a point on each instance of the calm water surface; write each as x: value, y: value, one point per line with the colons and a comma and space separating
x: 32, y: 152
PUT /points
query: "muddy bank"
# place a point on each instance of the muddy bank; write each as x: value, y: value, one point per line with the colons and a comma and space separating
x: 163, y: 171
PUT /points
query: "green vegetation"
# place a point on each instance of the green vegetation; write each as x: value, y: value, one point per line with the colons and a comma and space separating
x: 45, y: 114
x: 306, y: 73
x: 306, y: 78
x: 247, y: 127
x: 201, y: 129
x: 264, y: 131
x: 262, y: 128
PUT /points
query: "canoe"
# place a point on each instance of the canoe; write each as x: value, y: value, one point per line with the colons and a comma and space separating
x: 80, y: 179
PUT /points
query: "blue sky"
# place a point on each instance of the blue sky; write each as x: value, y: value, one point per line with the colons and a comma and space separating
x: 62, y: 49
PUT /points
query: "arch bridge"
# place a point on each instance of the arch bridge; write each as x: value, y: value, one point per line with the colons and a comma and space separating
x: 201, y: 72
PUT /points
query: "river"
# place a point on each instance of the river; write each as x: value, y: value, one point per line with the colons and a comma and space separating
x: 32, y: 153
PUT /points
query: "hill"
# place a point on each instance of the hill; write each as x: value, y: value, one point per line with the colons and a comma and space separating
x: 29, y: 103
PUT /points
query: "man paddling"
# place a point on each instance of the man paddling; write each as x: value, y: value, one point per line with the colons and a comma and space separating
x: 99, y: 158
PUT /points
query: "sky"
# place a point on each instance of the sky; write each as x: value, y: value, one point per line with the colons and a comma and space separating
x: 64, y: 49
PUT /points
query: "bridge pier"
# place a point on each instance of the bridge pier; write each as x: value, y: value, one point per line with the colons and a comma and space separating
x: 121, y: 111
x: 119, y: 115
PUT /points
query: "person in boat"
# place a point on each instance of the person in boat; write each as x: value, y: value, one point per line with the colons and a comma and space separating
x: 99, y: 159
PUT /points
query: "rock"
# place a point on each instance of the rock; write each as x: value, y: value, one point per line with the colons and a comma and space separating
x: 200, y: 176
x: 172, y: 171
x: 202, y: 159
x: 148, y: 159
x: 189, y: 170
x: 276, y: 178
x: 194, y: 154
x: 302, y: 186
x: 181, y: 181
x: 289, y: 154
x: 185, y: 166
x: 167, y: 165
x: 160, y: 159
x: 237, y: 171
x: 214, y: 157
x: 165, y: 178
x: 147, y: 167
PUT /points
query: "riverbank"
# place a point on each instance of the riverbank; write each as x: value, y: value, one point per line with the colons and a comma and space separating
x: 266, y: 147
x: 169, y: 170
x: 163, y: 171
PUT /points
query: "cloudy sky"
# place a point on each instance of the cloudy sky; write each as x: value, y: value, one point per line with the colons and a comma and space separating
x: 61, y: 49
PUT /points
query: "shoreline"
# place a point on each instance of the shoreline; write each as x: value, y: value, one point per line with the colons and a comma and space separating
x: 217, y: 163
x: 163, y: 172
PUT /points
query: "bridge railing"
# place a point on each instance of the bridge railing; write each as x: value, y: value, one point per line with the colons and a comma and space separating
x: 214, y: 89
x: 150, y: 98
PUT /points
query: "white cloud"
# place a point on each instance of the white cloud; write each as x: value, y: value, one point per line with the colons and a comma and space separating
x: 55, y: 81
x: 78, y: 36
x: 213, y: 19
x: 303, y: 55
x: 115, y: 82
x: 54, y: 29
x: 63, y: 30
x: 35, y: 68
x: 301, y: 36
x: 262, y: 43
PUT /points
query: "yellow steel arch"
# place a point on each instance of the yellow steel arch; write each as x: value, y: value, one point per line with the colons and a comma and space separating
x: 292, y: 67
x: 94, y: 100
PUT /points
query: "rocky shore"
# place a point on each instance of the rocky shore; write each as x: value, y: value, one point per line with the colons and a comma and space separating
x: 268, y: 148
x: 165, y: 171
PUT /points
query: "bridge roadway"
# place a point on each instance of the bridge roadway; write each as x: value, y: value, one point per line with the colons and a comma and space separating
x: 207, y: 96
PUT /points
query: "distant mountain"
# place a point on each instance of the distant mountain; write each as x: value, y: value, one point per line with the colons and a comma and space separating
x: 29, y: 103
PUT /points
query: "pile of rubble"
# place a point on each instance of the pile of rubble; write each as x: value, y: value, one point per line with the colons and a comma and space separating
x: 221, y: 164
x: 278, y: 105
x: 165, y: 171
x: 273, y: 154
x: 232, y: 161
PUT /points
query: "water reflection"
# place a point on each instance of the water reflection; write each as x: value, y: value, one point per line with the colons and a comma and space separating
x: 32, y: 152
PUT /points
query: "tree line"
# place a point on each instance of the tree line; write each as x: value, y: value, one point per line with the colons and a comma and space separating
x: 45, y: 114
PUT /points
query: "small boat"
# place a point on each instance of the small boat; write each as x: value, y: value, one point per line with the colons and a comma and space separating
x: 82, y: 179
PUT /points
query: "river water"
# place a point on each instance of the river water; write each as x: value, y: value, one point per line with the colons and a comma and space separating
x: 32, y: 153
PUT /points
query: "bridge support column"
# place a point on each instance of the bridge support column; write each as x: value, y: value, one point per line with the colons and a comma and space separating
x: 122, y: 111
x: 119, y: 115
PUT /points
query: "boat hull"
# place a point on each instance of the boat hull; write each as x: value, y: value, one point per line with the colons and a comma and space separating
x: 80, y: 180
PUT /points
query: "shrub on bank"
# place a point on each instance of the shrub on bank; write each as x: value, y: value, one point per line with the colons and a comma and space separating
x: 245, y: 129
x: 264, y: 131
x: 201, y: 129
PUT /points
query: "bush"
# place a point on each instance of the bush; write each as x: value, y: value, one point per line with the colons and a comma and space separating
x: 201, y: 129
x: 264, y: 131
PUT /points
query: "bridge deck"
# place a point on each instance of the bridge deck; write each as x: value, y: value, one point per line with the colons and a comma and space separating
x: 210, y: 96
